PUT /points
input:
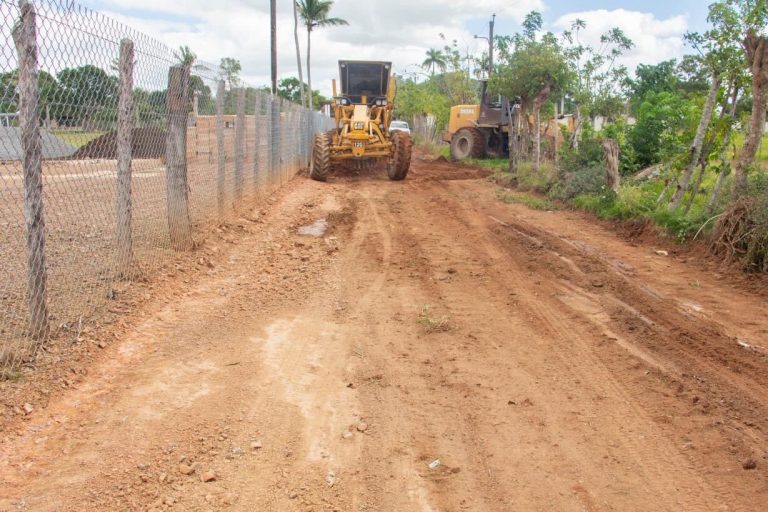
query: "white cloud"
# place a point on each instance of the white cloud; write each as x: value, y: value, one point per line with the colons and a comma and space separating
x: 655, y: 39
x: 401, y: 31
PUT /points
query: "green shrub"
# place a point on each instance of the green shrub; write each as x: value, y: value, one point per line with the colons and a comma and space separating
x: 529, y: 179
x: 584, y: 180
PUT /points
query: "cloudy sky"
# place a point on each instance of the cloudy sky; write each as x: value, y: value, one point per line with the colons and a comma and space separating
x: 396, y: 30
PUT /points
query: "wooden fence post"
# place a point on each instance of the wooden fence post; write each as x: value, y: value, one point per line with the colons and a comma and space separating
x: 25, y: 38
x: 221, y: 156
x: 125, y: 120
x: 177, y: 187
x: 272, y: 137
x: 239, y: 145
x: 257, y: 144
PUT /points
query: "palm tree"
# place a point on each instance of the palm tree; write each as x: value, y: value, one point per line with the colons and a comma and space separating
x: 314, y: 13
x: 435, y: 59
x: 186, y: 56
x: 298, y: 51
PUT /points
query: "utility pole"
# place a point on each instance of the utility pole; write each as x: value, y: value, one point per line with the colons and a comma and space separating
x: 490, y: 44
x: 273, y: 18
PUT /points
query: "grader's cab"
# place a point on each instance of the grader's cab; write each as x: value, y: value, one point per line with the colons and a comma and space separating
x: 362, y: 112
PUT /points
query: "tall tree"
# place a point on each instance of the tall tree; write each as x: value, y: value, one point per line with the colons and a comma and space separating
x: 596, y: 90
x: 435, y: 59
x: 316, y: 14
x: 532, y: 69
x: 298, y: 51
x: 229, y: 69
x: 745, y: 21
x: 720, y: 55
x: 85, y: 92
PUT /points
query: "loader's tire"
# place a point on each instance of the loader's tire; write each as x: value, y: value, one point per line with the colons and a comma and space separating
x: 401, y: 160
x: 321, y: 157
x: 468, y: 142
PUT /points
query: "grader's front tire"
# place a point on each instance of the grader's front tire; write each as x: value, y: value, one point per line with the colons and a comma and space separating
x: 321, y: 158
x: 401, y: 161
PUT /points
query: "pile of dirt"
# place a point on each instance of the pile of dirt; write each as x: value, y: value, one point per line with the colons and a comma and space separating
x: 147, y: 142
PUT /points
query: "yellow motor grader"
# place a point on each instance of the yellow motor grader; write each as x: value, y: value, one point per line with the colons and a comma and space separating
x: 362, y: 114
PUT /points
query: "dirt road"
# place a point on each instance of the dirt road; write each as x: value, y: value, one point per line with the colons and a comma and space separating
x: 434, y: 350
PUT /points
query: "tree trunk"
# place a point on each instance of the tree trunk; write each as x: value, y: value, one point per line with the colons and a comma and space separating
x: 756, y: 48
x: 696, y: 187
x: 537, y: 103
x: 576, y: 129
x: 298, y: 52
x: 524, y: 131
x: 555, y: 138
x: 698, y: 142
x: 611, y: 153
x: 706, y: 150
x: 309, y: 71
x: 513, y: 139
x: 724, y: 161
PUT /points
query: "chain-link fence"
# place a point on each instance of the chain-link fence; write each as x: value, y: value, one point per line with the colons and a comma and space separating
x: 114, y: 150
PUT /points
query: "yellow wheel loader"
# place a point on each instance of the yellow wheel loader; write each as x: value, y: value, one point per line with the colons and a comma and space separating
x: 477, y: 131
x: 362, y: 113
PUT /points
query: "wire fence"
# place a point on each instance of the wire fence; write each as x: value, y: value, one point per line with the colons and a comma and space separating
x: 114, y: 151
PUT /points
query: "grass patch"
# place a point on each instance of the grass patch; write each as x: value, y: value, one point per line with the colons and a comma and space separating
x: 431, y: 323
x: 77, y: 139
x: 762, y: 150
x: 529, y: 179
x: 638, y: 202
x: 533, y: 202
x: 494, y: 164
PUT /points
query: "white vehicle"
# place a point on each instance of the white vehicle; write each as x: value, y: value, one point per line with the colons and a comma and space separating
x: 401, y: 126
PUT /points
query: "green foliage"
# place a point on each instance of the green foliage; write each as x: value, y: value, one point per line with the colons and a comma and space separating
x: 619, y: 131
x: 288, y: 88
x: 585, y: 179
x: 87, y: 95
x: 541, y: 181
x: 596, y: 88
x: 652, y: 78
x: 531, y: 67
x: 418, y: 98
x: 664, y: 128
x: 435, y: 60
x: 229, y: 70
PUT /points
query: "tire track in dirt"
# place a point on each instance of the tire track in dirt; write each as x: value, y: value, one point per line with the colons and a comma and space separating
x: 306, y: 374
x: 564, y: 330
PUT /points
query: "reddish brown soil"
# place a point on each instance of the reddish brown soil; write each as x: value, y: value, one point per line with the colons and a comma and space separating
x: 547, y: 363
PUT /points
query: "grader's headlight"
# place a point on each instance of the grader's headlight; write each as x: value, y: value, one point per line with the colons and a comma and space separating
x: 359, y: 125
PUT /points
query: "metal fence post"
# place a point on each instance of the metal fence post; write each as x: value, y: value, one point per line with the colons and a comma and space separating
x: 176, y: 158
x: 239, y: 145
x: 25, y: 37
x: 125, y: 122
x: 221, y: 156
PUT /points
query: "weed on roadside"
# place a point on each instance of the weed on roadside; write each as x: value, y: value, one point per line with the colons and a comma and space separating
x: 432, y: 324
x: 533, y: 202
